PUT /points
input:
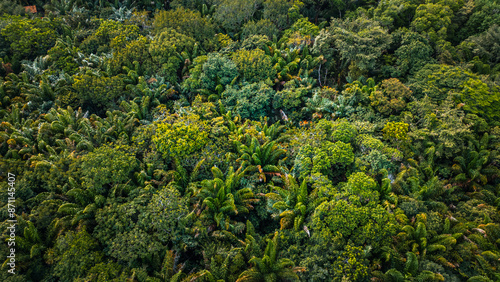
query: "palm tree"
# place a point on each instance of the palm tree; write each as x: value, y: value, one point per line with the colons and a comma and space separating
x: 31, y: 240
x: 80, y: 210
x: 272, y: 132
x: 320, y: 106
x: 60, y: 7
x: 171, y: 270
x: 219, y: 270
x: 179, y: 177
x: 290, y: 202
x: 140, y: 111
x: 261, y: 158
x: 18, y: 135
x: 269, y: 267
x: 34, y: 244
x: 411, y: 270
x: 121, y: 13
x: 433, y: 247
x: 155, y: 87
x: 65, y: 129
x: 222, y: 196
x: 475, y: 164
x: 291, y: 64
x: 37, y: 67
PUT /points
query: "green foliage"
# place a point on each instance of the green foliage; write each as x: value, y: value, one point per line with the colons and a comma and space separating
x: 123, y: 217
x: 351, y: 264
x: 166, y: 209
x: 342, y: 130
x: 211, y: 71
x: 433, y: 19
x: 397, y: 131
x: 291, y: 100
x: 376, y: 160
x: 340, y: 153
x: 479, y: 278
x: 302, y: 31
x: 60, y: 7
x: 323, y: 106
x: 63, y: 57
x: 166, y: 50
x: 176, y: 40
x: 437, y: 81
x: 251, y: 101
x: 277, y: 12
x: 482, y: 17
x: 480, y: 99
x: 193, y: 82
x: 338, y: 222
x: 391, y: 98
x: 29, y: 38
x: 254, y: 65
x: 74, y: 254
x: 354, y: 148
x: 188, y: 22
x: 270, y: 267
x: 95, y: 93
x: 11, y: 8
x: 474, y: 167
x: 105, y: 272
x: 110, y: 35
x: 464, y: 86
x: 324, y: 159
x: 440, y: 126
x: 135, y: 56
x: 395, y: 13
x: 363, y: 186
x: 231, y: 14
x: 254, y: 42
x: 368, y: 143
x: 413, y: 54
x: 178, y: 136
x: 261, y: 27
x: 353, y: 45
x: 106, y: 166
x: 134, y: 245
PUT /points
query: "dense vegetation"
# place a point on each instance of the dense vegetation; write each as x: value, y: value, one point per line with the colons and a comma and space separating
x: 251, y: 140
